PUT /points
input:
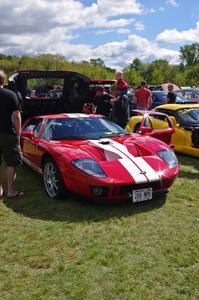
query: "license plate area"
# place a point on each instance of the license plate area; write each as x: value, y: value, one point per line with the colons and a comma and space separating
x: 142, y: 195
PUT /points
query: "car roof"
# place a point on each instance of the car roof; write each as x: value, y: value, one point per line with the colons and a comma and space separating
x: 159, y: 91
x: 188, y: 90
x: 177, y: 106
x: 44, y: 73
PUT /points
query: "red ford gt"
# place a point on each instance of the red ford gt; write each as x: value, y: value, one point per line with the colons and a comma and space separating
x: 93, y: 157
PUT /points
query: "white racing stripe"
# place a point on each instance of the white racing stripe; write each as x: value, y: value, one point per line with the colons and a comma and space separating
x: 73, y: 115
x: 139, y: 161
x: 125, y: 161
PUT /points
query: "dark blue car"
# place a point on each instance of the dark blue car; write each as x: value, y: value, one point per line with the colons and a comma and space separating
x: 160, y: 98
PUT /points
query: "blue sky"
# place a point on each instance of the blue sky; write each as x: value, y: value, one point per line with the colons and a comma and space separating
x: 181, y: 16
x: 116, y: 31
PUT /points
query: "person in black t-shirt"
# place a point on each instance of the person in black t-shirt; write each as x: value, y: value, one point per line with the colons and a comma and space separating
x: 171, y: 96
x: 10, y: 129
x: 102, y: 102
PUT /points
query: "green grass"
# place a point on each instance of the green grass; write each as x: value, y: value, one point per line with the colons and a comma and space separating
x: 77, y: 250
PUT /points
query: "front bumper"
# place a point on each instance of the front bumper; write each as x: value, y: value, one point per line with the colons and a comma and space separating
x: 117, y: 191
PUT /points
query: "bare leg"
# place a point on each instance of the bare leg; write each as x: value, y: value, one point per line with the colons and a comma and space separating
x: 1, y: 187
x: 11, y: 176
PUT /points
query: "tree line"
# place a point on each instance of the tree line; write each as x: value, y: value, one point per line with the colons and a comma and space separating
x: 154, y: 73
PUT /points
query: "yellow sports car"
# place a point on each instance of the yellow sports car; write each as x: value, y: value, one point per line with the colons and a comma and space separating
x: 185, y: 118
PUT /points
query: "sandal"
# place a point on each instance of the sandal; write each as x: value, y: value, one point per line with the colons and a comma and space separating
x: 17, y: 195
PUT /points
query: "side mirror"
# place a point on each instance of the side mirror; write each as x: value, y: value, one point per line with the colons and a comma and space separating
x: 27, y: 134
x: 144, y: 130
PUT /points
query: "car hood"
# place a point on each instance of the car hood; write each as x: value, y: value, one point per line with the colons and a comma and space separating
x: 120, y: 158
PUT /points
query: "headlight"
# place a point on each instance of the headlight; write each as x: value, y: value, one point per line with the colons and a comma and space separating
x: 169, y: 157
x: 89, y: 166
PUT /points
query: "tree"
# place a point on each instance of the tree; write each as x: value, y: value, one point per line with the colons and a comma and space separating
x: 133, y: 77
x: 136, y: 64
x: 50, y: 61
x: 192, y: 75
x: 97, y: 62
x: 189, y: 54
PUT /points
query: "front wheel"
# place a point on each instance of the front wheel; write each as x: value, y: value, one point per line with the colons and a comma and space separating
x: 53, y: 181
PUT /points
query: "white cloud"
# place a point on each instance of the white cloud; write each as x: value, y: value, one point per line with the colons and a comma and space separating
x: 172, y: 2
x: 117, y: 7
x: 41, y: 15
x: 139, y: 26
x: 113, y: 23
x: 155, y: 10
x: 175, y: 36
x: 119, y: 54
x: 48, y: 26
x: 120, y: 31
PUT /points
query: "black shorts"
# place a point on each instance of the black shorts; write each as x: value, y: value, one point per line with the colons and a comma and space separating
x: 10, y: 150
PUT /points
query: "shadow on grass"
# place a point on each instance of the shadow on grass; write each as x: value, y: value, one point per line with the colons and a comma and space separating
x: 39, y: 206
x: 188, y: 162
x: 188, y: 175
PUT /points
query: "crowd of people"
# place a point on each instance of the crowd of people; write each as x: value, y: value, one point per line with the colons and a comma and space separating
x: 115, y: 103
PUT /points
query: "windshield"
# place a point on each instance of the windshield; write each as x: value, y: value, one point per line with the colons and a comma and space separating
x: 188, y: 115
x: 162, y: 96
x: 180, y: 98
x: 81, y: 128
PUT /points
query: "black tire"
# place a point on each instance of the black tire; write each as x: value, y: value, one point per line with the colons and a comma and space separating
x: 53, y: 181
x: 137, y: 128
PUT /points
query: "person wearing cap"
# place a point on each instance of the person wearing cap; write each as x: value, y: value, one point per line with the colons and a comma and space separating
x: 102, y: 102
x: 143, y: 97
x: 10, y: 129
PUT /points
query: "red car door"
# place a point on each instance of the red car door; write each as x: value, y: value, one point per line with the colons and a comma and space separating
x: 30, y: 142
x: 158, y: 126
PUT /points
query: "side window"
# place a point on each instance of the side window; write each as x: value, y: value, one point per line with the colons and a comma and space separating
x: 159, y: 122
x: 47, y: 133
x: 193, y: 96
x: 44, y: 88
x: 33, y: 125
x: 154, y: 97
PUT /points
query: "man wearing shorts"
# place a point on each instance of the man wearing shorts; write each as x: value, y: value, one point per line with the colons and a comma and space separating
x: 10, y: 129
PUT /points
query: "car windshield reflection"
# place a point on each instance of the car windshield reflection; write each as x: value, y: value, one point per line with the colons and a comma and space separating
x: 81, y: 128
x: 188, y: 116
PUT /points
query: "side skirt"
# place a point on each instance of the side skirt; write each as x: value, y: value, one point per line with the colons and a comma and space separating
x: 32, y: 165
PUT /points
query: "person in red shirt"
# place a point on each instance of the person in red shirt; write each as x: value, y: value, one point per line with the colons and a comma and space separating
x: 121, y: 84
x: 142, y: 97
